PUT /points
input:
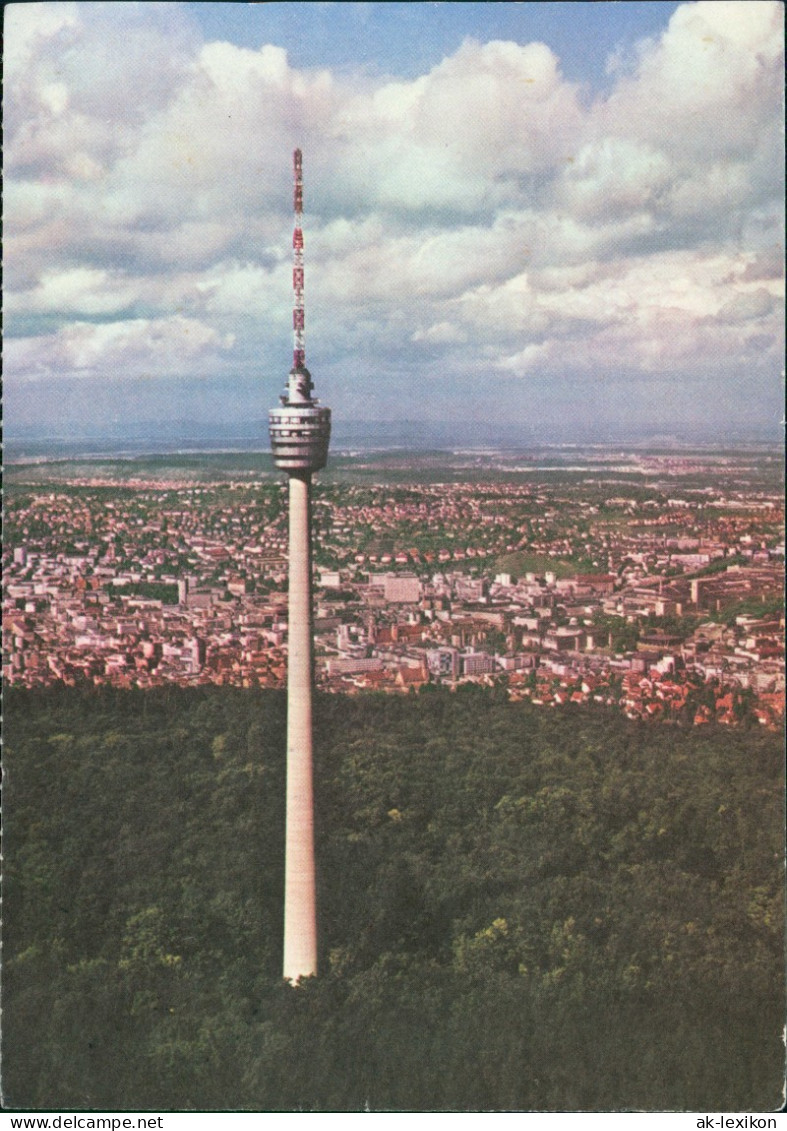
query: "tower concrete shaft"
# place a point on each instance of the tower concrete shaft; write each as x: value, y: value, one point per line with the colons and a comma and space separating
x: 300, y: 898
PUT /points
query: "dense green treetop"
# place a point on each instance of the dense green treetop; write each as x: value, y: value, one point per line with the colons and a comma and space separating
x: 519, y: 909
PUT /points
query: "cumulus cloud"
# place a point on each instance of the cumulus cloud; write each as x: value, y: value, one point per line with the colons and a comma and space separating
x: 719, y: 65
x: 139, y: 347
x: 81, y: 78
x: 441, y: 333
x: 484, y: 216
x: 75, y: 290
x: 462, y: 137
x: 748, y: 306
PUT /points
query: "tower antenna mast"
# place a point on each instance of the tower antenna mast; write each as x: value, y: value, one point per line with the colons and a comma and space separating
x: 298, y: 311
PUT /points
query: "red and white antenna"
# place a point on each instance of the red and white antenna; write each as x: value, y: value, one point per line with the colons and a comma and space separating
x: 298, y: 314
x: 300, y: 430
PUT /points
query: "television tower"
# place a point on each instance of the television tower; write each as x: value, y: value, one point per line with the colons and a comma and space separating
x: 299, y: 432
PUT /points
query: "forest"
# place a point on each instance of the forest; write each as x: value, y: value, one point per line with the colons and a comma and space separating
x: 519, y: 909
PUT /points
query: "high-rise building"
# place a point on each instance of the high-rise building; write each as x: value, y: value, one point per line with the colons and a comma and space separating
x: 299, y: 432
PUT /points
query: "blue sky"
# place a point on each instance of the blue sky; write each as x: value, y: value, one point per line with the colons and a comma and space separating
x: 407, y: 39
x: 524, y: 214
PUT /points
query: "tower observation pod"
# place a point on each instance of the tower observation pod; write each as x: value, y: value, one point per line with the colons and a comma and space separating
x: 299, y: 432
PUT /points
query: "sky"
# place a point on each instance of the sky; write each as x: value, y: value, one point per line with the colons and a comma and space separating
x: 553, y: 216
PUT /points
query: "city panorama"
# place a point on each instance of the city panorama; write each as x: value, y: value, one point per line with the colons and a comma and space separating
x: 646, y: 582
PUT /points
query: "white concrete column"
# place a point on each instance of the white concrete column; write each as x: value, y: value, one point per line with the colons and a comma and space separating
x: 300, y: 901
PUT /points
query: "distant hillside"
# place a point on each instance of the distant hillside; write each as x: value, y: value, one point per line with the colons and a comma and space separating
x: 146, y: 436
